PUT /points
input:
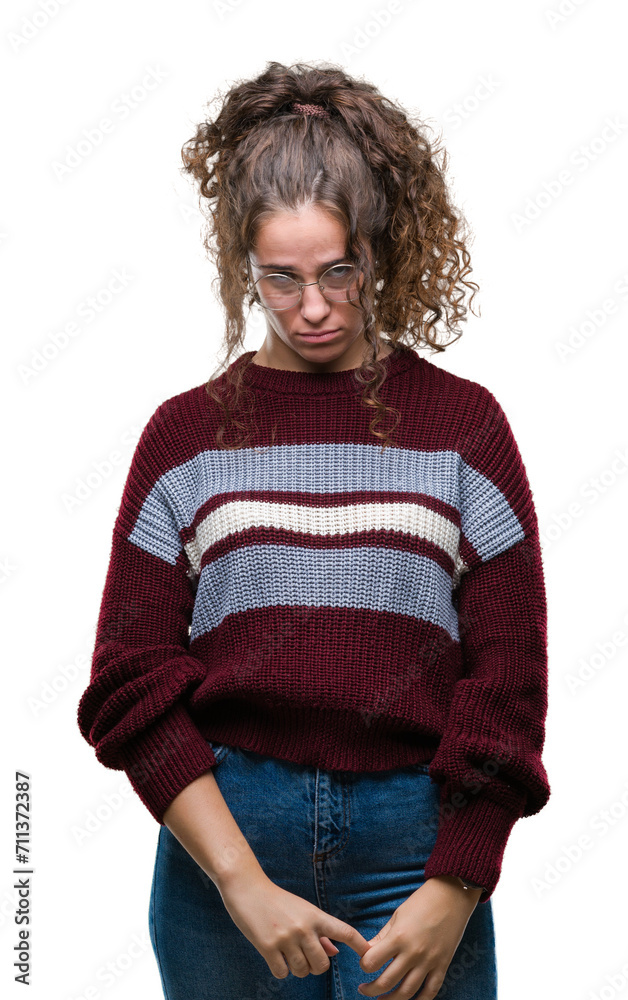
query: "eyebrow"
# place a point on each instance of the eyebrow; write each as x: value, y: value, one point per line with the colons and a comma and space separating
x: 288, y: 267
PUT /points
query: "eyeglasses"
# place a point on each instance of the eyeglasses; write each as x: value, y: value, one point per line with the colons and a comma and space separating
x: 279, y: 291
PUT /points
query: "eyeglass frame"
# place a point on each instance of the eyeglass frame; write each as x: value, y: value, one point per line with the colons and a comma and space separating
x: 301, y: 284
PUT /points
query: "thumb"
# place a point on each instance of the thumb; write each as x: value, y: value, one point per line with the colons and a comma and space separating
x: 372, y: 943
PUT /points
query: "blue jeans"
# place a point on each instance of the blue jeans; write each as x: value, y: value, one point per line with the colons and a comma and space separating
x: 353, y: 844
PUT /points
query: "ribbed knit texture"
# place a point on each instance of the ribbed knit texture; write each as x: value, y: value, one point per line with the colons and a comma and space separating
x: 330, y: 604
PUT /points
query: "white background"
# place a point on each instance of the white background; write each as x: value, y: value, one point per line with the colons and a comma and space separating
x: 551, y: 263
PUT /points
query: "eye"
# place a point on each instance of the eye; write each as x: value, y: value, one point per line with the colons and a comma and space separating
x: 279, y: 280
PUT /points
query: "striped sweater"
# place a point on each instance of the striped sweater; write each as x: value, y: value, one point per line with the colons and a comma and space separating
x: 328, y: 603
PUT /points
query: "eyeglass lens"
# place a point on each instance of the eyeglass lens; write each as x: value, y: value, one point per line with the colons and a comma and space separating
x: 280, y: 291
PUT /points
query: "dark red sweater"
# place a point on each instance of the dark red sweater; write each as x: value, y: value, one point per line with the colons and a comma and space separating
x: 330, y: 604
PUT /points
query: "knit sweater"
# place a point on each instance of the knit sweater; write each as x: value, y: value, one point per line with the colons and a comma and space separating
x: 322, y: 601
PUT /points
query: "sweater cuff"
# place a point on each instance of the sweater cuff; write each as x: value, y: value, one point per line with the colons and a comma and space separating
x: 164, y: 758
x: 471, y: 840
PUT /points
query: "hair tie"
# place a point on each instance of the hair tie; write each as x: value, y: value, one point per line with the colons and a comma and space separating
x: 310, y: 109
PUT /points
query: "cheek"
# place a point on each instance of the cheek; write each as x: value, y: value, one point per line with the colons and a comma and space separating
x: 351, y: 316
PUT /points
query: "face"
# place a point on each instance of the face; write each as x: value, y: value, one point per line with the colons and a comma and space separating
x: 315, y: 333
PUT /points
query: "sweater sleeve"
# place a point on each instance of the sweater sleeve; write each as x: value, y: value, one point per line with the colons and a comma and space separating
x: 133, y: 711
x: 488, y: 762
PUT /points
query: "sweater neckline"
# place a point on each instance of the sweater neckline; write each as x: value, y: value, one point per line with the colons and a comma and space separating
x: 321, y: 383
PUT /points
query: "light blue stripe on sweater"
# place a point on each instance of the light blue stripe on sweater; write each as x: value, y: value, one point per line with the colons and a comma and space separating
x: 375, y: 579
x: 488, y: 521
x: 486, y: 518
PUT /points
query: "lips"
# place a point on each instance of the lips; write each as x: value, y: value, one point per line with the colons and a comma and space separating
x: 319, y: 335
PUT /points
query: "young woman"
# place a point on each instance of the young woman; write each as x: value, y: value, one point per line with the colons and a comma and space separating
x: 321, y: 650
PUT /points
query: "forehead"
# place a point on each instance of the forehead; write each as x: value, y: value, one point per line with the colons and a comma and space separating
x: 309, y: 235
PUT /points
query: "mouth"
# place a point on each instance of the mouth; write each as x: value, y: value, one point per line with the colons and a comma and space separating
x: 319, y: 336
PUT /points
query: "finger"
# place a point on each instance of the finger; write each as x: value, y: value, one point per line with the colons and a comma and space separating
x: 298, y: 962
x: 377, y: 953
x: 317, y: 958
x: 330, y: 948
x: 413, y: 984
x: 278, y: 965
x: 391, y: 977
x: 339, y: 931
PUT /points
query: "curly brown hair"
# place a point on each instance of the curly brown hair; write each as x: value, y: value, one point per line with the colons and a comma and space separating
x: 371, y: 167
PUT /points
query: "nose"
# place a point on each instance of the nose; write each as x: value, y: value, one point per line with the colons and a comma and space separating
x: 314, y: 305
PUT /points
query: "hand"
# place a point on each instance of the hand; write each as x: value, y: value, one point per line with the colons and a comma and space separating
x: 290, y: 933
x: 421, y: 937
